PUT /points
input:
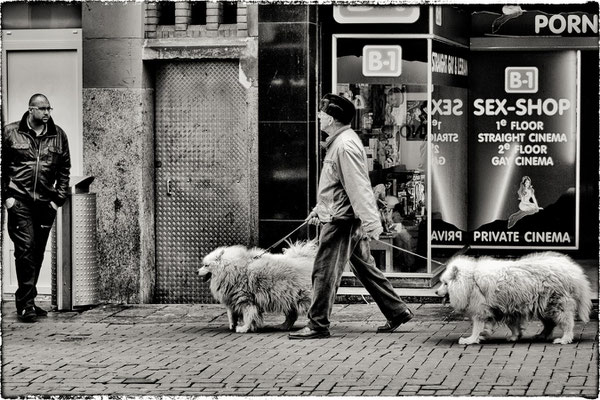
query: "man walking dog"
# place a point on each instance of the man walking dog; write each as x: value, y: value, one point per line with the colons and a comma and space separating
x: 35, y: 182
x: 346, y: 208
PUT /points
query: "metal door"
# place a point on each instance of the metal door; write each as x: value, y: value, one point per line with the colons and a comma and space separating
x: 206, y: 188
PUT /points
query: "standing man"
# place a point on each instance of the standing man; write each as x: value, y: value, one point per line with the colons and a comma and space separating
x: 346, y: 208
x: 35, y: 182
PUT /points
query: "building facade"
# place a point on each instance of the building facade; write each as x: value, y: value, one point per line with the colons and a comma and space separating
x: 198, y: 122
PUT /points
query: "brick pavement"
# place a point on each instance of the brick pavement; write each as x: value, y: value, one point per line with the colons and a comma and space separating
x: 187, y: 350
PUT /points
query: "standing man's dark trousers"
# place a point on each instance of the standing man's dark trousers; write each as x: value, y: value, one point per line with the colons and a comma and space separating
x: 340, y: 241
x: 29, y: 225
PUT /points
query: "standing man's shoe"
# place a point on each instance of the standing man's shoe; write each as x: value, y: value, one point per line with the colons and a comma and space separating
x: 40, y: 312
x: 27, y: 314
x: 392, y: 325
x: 307, y: 333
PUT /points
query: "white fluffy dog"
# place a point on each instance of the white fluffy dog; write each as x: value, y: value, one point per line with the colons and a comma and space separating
x: 548, y: 286
x: 249, y: 283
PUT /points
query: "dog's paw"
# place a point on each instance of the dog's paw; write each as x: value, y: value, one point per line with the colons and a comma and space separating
x: 242, y: 329
x: 513, y: 338
x: 468, y: 341
x: 562, y: 341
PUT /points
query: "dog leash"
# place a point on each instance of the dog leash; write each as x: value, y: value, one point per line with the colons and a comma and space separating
x: 409, y: 252
x: 377, y: 240
x: 458, y: 253
x: 279, y: 241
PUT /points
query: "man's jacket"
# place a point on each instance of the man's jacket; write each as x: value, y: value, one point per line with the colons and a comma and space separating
x: 344, y: 187
x: 35, y: 168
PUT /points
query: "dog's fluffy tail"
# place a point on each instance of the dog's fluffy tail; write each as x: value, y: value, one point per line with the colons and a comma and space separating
x: 301, y: 249
x: 584, y: 301
x: 583, y: 292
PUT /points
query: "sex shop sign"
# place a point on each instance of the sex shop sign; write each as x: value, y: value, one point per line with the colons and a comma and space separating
x: 524, y: 150
x: 517, y: 175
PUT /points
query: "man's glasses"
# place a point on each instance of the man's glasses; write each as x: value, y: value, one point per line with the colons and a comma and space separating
x: 42, y: 109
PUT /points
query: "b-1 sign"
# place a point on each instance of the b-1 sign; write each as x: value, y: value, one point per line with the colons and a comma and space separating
x: 382, y: 61
x: 521, y: 80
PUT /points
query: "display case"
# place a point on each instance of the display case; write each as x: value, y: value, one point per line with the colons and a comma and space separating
x: 410, y: 94
x: 454, y: 126
x: 387, y: 79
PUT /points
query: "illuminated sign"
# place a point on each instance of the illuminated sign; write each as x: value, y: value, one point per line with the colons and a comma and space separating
x: 376, y: 14
x: 523, y: 127
x: 521, y: 80
x: 570, y: 23
x: 382, y: 61
x: 517, y: 21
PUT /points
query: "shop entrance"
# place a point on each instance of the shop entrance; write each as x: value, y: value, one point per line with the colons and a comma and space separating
x: 406, y: 71
x: 412, y: 120
x: 386, y: 79
x: 203, y: 179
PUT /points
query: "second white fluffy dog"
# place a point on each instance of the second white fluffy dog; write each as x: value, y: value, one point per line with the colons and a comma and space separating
x: 548, y: 286
x: 250, y: 282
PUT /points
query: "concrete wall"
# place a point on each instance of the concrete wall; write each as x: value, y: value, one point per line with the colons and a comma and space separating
x: 119, y: 147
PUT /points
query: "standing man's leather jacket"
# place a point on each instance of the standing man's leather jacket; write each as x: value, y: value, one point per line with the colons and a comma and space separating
x: 35, y: 168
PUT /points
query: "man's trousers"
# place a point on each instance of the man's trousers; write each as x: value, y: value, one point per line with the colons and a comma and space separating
x: 29, y: 225
x: 341, y: 241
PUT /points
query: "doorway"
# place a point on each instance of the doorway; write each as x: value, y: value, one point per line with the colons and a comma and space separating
x: 47, y: 61
x: 206, y: 179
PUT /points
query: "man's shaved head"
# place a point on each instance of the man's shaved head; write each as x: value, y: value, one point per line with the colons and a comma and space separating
x: 37, y: 97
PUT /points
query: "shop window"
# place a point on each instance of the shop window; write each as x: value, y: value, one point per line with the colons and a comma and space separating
x: 389, y: 91
x: 449, y: 150
x: 229, y: 13
x: 166, y: 13
x: 198, y: 10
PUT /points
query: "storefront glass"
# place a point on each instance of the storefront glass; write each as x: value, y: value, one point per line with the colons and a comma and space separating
x: 449, y: 150
x: 386, y: 79
x: 524, y: 146
x: 453, y: 124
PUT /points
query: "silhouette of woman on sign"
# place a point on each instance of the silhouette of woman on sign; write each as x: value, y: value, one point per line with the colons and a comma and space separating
x: 528, y: 204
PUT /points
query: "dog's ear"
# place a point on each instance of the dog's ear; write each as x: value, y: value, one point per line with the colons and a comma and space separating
x: 220, y: 255
x: 453, y: 271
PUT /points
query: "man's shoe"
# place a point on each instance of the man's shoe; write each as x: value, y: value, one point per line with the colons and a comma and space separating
x: 392, y: 325
x: 307, y: 333
x: 40, y: 312
x: 27, y: 314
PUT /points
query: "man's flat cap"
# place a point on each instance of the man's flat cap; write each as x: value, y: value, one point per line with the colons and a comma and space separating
x: 338, y: 107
